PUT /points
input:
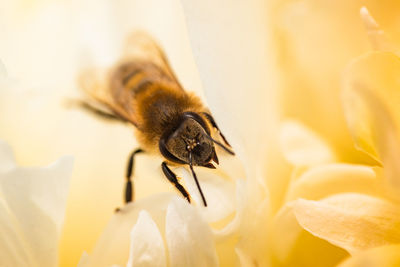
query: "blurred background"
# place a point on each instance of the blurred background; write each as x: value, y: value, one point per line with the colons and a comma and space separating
x: 45, y: 43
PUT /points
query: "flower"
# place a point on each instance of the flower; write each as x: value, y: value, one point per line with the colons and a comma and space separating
x: 333, y: 202
x: 32, y: 207
x: 297, y: 188
x: 366, y: 223
x: 177, y: 236
x: 312, y: 46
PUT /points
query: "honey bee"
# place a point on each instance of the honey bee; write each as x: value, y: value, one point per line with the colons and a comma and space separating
x: 142, y: 89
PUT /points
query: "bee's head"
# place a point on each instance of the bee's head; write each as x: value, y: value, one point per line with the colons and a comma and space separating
x: 190, y: 138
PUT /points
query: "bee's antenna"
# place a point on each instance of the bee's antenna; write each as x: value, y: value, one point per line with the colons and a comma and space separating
x: 221, y: 145
x: 195, y: 178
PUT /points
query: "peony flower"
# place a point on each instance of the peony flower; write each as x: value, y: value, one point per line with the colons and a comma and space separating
x: 32, y: 208
x: 287, y: 196
x: 325, y: 200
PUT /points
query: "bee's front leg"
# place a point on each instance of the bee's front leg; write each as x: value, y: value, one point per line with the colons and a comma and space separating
x: 173, y: 179
x: 214, y: 124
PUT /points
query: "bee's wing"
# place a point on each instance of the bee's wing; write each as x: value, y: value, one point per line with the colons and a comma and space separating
x: 94, y: 82
x: 140, y: 46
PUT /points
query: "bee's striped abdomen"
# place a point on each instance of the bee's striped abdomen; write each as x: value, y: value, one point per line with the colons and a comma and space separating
x: 133, y: 78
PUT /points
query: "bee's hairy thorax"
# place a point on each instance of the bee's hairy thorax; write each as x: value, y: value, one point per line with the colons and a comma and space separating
x: 153, y: 97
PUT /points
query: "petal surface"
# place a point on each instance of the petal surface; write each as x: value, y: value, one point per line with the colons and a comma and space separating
x: 113, y: 246
x: 219, y: 193
x: 375, y: 33
x: 385, y: 256
x: 235, y: 70
x: 372, y: 100
x: 33, y: 204
x: 325, y: 180
x: 7, y: 160
x: 307, y: 36
x: 302, y: 147
x: 354, y: 222
x: 3, y: 72
x: 147, y: 246
x: 13, y: 251
x: 189, y: 238
x: 291, y: 245
x: 253, y: 234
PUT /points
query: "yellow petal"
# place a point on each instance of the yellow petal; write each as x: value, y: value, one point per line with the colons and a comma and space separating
x: 351, y: 221
x: 375, y: 33
x: 293, y: 246
x: 308, y: 35
x: 84, y: 260
x: 301, y: 146
x: 322, y: 181
x: 286, y: 231
x: 385, y: 256
x: 372, y: 101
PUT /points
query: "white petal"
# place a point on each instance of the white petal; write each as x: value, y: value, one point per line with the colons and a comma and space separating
x: 113, y: 246
x: 241, y: 202
x: 230, y: 44
x: 189, y: 238
x: 37, y: 199
x: 351, y: 221
x: 219, y: 193
x: 7, y: 160
x: 302, y: 147
x: 147, y: 245
x: 43, y: 188
x: 3, y: 72
x: 13, y: 251
x: 253, y: 234
x: 32, y: 210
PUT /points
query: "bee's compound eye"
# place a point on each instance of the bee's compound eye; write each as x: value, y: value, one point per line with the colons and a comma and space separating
x: 202, y: 152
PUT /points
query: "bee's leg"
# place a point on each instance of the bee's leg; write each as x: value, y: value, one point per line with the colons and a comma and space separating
x: 129, y: 190
x: 214, y: 124
x: 173, y: 179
